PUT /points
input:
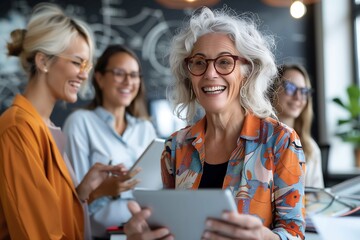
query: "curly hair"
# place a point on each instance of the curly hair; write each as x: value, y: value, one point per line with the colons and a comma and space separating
x: 255, y: 47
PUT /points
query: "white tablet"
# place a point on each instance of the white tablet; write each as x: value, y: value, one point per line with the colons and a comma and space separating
x: 184, y: 212
x: 149, y: 161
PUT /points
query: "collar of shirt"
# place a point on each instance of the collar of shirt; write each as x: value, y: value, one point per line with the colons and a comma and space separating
x: 109, y: 120
x: 249, y: 131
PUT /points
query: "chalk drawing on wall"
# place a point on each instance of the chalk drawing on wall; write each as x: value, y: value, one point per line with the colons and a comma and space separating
x: 147, y: 32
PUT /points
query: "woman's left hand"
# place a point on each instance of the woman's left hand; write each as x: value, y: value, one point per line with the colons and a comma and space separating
x: 95, y: 176
x: 233, y: 225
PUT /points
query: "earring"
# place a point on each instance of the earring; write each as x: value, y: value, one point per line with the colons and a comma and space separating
x: 242, y: 92
x: 45, y: 70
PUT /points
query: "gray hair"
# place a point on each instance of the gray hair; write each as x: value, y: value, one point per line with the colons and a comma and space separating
x: 252, y: 45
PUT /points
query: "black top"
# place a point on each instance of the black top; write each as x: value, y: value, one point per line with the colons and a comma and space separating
x: 213, y: 175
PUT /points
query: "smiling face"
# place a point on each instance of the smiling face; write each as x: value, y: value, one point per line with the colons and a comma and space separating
x: 291, y: 106
x: 120, y: 83
x: 215, y: 92
x: 64, y: 76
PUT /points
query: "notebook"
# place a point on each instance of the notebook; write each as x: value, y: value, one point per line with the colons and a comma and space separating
x: 149, y: 162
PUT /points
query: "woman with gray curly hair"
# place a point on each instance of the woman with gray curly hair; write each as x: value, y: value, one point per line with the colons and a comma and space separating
x: 222, y: 63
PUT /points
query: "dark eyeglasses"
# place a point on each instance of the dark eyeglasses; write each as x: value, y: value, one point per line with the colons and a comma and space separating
x: 120, y: 75
x: 291, y: 90
x: 224, y: 65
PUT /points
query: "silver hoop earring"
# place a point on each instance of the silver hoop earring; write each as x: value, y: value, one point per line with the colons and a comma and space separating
x: 242, y: 92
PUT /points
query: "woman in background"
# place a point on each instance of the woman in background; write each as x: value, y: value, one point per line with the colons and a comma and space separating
x: 291, y: 97
x: 113, y: 130
x: 39, y: 199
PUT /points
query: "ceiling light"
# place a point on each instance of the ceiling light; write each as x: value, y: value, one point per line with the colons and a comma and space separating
x: 297, y: 9
x: 286, y: 3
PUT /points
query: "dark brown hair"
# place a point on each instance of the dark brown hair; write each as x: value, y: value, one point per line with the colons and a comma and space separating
x: 137, y: 107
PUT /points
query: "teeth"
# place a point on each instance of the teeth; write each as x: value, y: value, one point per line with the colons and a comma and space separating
x: 75, y: 84
x: 125, y: 91
x: 214, y: 89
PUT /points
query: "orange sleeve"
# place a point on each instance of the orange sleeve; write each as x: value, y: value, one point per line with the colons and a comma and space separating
x: 29, y: 203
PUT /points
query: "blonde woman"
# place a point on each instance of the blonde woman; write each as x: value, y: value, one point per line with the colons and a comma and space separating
x: 291, y: 97
x: 39, y: 197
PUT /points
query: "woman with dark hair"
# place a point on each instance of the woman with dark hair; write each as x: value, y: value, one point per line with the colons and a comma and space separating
x: 137, y: 106
x: 113, y: 129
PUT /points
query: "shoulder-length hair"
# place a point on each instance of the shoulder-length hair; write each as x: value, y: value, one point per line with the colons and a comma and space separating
x: 302, y: 124
x: 251, y: 44
x: 137, y: 107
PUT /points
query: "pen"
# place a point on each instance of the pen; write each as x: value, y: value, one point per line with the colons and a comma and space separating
x: 113, y: 197
x: 110, y: 162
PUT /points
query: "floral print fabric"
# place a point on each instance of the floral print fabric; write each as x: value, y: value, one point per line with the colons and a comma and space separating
x: 265, y: 172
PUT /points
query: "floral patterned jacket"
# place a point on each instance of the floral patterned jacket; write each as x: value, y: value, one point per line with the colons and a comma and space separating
x: 265, y: 172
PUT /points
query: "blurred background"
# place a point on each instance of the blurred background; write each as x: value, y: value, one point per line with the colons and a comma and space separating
x: 324, y: 40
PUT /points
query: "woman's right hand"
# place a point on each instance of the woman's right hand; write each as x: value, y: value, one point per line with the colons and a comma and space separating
x: 138, y: 229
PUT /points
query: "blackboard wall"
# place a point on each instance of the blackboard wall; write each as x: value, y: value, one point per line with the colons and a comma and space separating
x: 146, y: 27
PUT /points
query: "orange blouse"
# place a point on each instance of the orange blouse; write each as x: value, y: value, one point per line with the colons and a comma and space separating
x: 37, y: 196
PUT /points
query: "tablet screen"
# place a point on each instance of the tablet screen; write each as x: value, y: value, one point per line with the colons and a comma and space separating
x: 149, y: 162
x: 184, y: 212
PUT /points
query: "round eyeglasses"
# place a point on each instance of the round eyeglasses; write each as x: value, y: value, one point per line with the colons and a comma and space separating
x: 224, y: 65
x: 120, y: 75
x: 291, y: 90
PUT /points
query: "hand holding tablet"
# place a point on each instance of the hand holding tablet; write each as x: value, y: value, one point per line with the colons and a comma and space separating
x: 184, y: 212
x: 149, y: 163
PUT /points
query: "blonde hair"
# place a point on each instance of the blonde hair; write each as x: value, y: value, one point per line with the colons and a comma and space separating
x: 49, y: 31
x: 302, y: 124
